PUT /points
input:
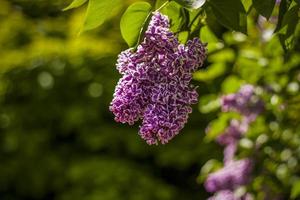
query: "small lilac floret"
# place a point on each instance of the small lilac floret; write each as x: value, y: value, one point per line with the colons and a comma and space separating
x: 229, y: 195
x: 224, y: 195
x: 155, y: 86
x: 233, y: 132
x: 243, y: 102
x: 232, y: 175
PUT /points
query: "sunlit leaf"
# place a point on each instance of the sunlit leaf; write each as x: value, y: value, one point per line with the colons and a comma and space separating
x: 174, y: 12
x: 159, y: 3
x: 75, y: 4
x: 209, y: 103
x: 225, y: 55
x: 295, y: 190
x: 215, y: 70
x: 98, y: 11
x: 219, y: 125
x: 284, y: 5
x: 209, y: 167
x: 288, y: 27
x: 183, y: 37
x: 231, y: 84
x: 206, y: 35
x: 247, y: 4
x: 194, y: 4
x: 133, y: 21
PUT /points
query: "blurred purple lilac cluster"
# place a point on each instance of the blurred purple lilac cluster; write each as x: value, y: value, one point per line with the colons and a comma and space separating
x: 229, y: 195
x: 155, y: 86
x: 235, y: 173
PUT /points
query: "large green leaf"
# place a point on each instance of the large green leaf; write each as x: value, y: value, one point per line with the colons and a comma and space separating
x: 295, y: 190
x: 247, y: 5
x: 75, y: 4
x: 219, y: 125
x: 230, y: 13
x: 264, y: 7
x: 231, y: 84
x: 133, y: 21
x: 176, y: 14
x: 207, y: 36
x: 214, y: 70
x: 194, y: 4
x: 98, y: 11
x: 288, y: 27
x: 284, y: 5
x: 159, y: 3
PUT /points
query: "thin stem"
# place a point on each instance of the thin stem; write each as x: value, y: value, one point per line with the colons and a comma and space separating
x: 195, y: 18
x: 146, y: 22
x: 162, y: 6
x: 249, y: 9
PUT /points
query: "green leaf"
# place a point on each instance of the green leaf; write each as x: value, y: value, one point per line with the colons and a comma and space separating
x: 264, y: 7
x: 75, y: 4
x: 230, y: 13
x: 209, y: 167
x: 231, y: 84
x: 177, y: 16
x: 133, y: 20
x: 209, y: 103
x: 224, y: 56
x: 219, y: 125
x: 247, y: 5
x: 295, y: 190
x: 183, y: 37
x: 288, y: 27
x: 284, y: 5
x: 214, y: 70
x: 194, y: 4
x: 97, y: 12
x: 159, y: 3
x: 207, y: 36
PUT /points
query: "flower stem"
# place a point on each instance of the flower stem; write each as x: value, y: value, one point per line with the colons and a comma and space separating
x: 162, y: 6
x: 195, y: 18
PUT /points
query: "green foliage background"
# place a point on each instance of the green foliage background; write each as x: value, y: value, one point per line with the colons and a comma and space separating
x: 59, y: 141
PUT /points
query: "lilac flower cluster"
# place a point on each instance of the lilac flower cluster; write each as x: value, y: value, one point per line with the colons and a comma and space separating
x: 229, y: 195
x: 235, y: 173
x: 155, y: 86
x: 232, y: 175
x: 244, y: 102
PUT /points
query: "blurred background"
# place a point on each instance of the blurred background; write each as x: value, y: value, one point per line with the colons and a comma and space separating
x: 59, y: 141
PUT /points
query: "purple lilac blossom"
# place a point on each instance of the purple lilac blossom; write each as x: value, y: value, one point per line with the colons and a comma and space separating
x: 229, y: 195
x: 247, y: 196
x: 232, y: 175
x: 238, y: 101
x: 229, y: 152
x: 223, y: 195
x: 155, y: 86
x: 244, y: 102
x: 231, y: 136
x: 233, y: 132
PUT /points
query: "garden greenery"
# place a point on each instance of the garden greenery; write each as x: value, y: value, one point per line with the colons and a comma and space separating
x: 232, y: 14
x: 256, y: 63
x: 58, y: 137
